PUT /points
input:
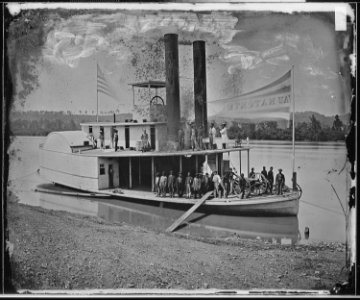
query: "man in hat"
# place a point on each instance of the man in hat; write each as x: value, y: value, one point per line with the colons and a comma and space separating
x: 205, y: 183
x: 252, y: 173
x: 162, y: 184
x: 157, y: 183
x: 197, y: 186
x: 224, y: 137
x: 101, y: 137
x: 171, y: 184
x: 242, y: 184
x: 280, y: 182
x: 193, y: 137
x: 188, y: 183
x: 217, y: 181
x: 212, y: 134
x: 116, y: 140
x: 270, y: 177
x: 179, y: 186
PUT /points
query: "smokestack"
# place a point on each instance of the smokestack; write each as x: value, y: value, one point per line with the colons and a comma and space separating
x: 172, y: 85
x: 199, y: 57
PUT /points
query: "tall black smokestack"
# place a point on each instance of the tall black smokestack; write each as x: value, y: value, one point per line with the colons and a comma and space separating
x: 199, y: 57
x: 172, y: 85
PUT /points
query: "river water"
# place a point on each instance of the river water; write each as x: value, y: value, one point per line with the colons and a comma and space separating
x: 322, y: 172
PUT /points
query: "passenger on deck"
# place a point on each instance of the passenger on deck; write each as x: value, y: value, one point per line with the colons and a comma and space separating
x: 145, y: 141
x: 205, y: 183
x: 226, y: 183
x: 101, y: 137
x: 92, y: 140
x: 171, y: 184
x: 179, y: 185
x: 212, y: 134
x: 242, y: 184
x: 157, y: 184
x: 271, y: 179
x: 224, y: 137
x: 193, y: 138
x: 162, y: 184
x: 280, y: 182
x: 188, y: 182
x: 252, y: 173
x: 116, y: 140
x: 264, y: 172
x: 197, y: 186
x: 216, y: 180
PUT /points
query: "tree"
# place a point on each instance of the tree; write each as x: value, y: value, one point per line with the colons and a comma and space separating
x: 314, y: 128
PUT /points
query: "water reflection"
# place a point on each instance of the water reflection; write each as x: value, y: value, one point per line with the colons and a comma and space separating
x: 273, y: 229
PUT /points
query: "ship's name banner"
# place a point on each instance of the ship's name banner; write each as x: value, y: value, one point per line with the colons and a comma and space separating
x: 272, y: 101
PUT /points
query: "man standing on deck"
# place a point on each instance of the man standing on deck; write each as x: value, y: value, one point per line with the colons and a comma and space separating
x: 270, y: 178
x: 242, y: 184
x: 252, y: 173
x: 197, y: 186
x: 216, y: 180
x: 193, y: 138
x: 212, y: 134
x: 101, y: 137
x: 280, y: 182
x: 188, y: 182
x: 171, y: 183
x: 224, y: 137
x: 179, y: 185
x: 116, y: 140
x: 163, y: 181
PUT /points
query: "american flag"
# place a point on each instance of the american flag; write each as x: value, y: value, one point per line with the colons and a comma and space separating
x: 102, y: 85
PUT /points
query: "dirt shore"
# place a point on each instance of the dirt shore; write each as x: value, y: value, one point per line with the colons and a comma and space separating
x: 60, y: 250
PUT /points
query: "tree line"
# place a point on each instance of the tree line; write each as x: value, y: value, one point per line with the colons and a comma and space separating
x: 44, y: 122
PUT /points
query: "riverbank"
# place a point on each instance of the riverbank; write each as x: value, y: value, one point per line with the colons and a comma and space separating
x: 60, y: 250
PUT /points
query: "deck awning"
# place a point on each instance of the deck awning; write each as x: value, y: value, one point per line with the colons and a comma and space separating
x: 154, y: 84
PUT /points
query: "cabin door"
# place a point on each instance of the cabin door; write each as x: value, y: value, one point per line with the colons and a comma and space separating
x: 111, y: 176
x: 127, y: 137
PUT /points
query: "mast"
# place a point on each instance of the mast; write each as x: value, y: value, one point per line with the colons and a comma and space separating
x: 293, y: 128
x: 97, y: 95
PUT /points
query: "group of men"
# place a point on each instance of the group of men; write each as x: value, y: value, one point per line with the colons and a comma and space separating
x: 269, y: 176
x: 198, y: 185
x: 190, y: 186
x: 197, y: 135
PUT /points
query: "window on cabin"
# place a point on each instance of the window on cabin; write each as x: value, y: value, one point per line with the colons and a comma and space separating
x: 102, y: 169
x: 90, y: 129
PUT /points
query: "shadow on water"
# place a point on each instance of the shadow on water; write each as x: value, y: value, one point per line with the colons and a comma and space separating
x: 281, y: 230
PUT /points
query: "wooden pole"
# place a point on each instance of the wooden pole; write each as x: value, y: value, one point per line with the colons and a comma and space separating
x: 239, y: 162
x: 97, y: 96
x: 216, y: 163
x: 196, y: 164
x: 152, y: 174
x: 248, y: 162
x: 130, y: 173
x: 293, y: 128
x: 139, y: 171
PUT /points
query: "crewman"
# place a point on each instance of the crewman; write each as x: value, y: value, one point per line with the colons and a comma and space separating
x: 179, y: 185
x: 242, y: 184
x: 280, y: 182
x: 270, y: 177
x: 216, y: 180
x: 212, y: 134
x: 224, y: 137
x: 162, y: 184
x: 252, y: 173
x: 197, y: 186
x: 188, y: 182
x: 171, y: 184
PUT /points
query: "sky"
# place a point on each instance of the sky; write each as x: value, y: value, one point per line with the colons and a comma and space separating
x: 247, y: 47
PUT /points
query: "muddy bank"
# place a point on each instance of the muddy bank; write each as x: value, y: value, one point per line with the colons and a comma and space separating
x: 60, y: 250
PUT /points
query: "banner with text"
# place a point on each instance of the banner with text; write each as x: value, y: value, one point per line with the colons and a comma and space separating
x: 272, y: 101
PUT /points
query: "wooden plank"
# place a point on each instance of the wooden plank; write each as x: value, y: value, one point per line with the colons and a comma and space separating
x: 189, y: 212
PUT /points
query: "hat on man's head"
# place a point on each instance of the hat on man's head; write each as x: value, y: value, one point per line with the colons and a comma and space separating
x: 280, y: 170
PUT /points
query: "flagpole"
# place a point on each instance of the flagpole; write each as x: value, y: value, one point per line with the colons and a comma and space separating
x: 97, y: 95
x: 293, y: 127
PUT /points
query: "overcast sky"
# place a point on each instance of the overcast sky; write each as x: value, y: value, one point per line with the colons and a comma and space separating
x: 261, y: 45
